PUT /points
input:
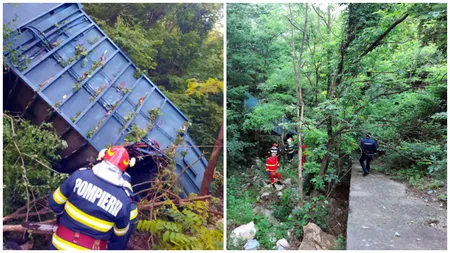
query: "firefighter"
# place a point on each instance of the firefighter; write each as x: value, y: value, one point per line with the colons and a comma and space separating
x: 274, y: 149
x: 272, y: 169
x: 369, y: 147
x: 92, y: 206
x: 290, y: 148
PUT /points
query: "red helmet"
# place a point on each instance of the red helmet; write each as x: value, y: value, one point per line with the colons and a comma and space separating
x: 274, y: 145
x: 118, y: 156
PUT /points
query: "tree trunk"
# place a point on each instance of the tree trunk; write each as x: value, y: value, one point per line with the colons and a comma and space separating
x: 209, y: 172
x: 299, y: 98
x: 283, y: 134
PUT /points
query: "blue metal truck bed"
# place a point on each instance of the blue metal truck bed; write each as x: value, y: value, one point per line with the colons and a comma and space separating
x: 73, y: 75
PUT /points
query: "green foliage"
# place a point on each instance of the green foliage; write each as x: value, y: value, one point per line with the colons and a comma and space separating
x: 395, y: 89
x: 136, y: 134
x: 186, y: 228
x: 313, y: 210
x: 16, y: 58
x: 180, y: 47
x: 239, y: 203
x: 268, y: 232
x: 28, y: 154
x: 340, y: 243
x: 283, y: 208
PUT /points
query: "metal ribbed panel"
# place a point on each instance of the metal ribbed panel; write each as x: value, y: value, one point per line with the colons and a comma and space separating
x: 81, y: 81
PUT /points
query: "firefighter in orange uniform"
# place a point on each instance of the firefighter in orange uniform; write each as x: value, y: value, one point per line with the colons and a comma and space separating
x: 272, y: 169
x: 93, y: 207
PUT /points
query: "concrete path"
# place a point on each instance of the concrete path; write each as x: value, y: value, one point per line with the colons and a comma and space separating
x: 383, y: 216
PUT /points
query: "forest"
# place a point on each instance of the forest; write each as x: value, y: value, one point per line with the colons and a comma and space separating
x: 180, y: 48
x: 331, y: 73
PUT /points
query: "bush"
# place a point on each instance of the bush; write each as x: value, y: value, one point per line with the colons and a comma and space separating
x: 28, y: 153
x: 187, y: 228
x: 283, y: 208
x: 340, y: 243
x: 268, y: 233
x: 239, y: 203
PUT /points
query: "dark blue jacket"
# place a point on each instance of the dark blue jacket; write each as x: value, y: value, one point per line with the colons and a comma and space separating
x: 369, y: 146
x: 92, y: 206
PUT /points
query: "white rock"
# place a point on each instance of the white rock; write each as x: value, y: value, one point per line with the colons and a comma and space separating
x: 315, y: 239
x: 397, y: 234
x: 243, y: 233
x: 265, y: 196
x: 283, y: 243
x: 287, y: 182
x: 279, y: 187
x: 251, y: 245
x: 280, y: 194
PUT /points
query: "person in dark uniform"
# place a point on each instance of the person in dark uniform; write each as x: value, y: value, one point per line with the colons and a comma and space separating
x: 369, y: 147
x: 290, y: 148
x: 93, y: 207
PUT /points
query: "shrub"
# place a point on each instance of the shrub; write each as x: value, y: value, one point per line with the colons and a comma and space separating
x: 28, y: 153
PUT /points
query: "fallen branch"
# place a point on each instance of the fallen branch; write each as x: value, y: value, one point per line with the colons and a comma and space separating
x: 18, y: 211
x: 35, y: 228
x: 22, y: 215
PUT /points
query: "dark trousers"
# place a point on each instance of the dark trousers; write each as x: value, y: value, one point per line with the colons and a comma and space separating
x: 367, y: 158
x: 290, y: 154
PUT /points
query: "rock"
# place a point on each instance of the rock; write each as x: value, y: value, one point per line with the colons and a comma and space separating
x: 279, y: 187
x: 397, y: 234
x: 243, y: 233
x: 265, y: 196
x: 434, y: 200
x: 267, y: 187
x: 280, y: 194
x: 251, y: 245
x: 280, y: 248
x: 315, y: 239
x: 283, y: 243
x: 430, y: 192
x: 287, y: 182
x: 441, y: 205
x: 426, y: 200
x: 418, y: 239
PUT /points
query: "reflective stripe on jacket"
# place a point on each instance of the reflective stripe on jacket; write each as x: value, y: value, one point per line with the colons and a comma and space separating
x: 91, y: 206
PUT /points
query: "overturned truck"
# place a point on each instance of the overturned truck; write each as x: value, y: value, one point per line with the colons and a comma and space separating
x: 65, y: 70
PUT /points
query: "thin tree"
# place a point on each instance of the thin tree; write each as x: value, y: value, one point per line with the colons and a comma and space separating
x: 209, y: 172
x: 300, y: 104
